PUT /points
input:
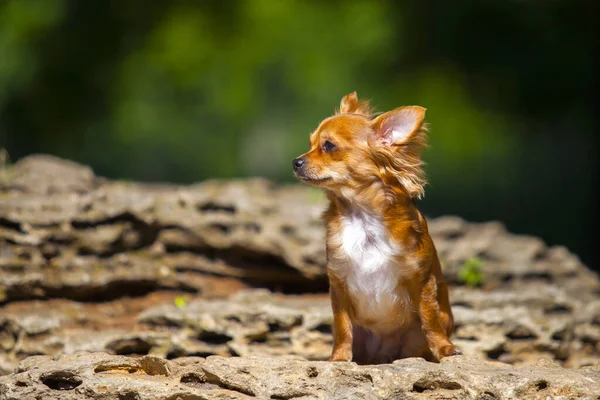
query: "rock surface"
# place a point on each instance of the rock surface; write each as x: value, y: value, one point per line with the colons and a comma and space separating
x: 101, y: 376
x: 512, y: 327
x: 236, y: 268
x: 66, y: 233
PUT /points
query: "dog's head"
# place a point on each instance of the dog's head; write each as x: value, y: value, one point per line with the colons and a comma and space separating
x: 353, y: 149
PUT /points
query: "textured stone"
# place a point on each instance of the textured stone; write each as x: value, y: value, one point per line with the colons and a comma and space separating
x: 513, y: 326
x: 102, y: 238
x: 66, y: 233
x: 101, y: 376
x: 160, y: 272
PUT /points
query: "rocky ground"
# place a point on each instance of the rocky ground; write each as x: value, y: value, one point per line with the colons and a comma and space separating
x: 103, y: 376
x: 192, y: 274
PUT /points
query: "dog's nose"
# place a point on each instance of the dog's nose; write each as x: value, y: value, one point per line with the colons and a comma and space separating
x: 299, y: 163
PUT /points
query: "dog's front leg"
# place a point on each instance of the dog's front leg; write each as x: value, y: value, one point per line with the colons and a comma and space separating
x: 429, y: 313
x: 342, y: 325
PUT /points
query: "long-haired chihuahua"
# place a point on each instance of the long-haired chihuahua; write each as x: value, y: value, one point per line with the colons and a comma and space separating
x: 388, y: 294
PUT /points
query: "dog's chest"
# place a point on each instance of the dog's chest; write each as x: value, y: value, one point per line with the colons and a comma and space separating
x: 372, y: 269
x: 366, y: 244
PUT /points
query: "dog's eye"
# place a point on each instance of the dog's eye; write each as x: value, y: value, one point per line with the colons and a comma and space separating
x: 328, y: 146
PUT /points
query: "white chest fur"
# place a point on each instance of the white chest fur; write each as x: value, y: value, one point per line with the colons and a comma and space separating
x: 371, y: 270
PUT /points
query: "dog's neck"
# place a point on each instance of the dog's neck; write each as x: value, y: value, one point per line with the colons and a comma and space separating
x: 376, y: 199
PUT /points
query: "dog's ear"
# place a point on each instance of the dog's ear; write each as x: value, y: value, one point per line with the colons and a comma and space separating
x: 398, y: 126
x: 351, y: 105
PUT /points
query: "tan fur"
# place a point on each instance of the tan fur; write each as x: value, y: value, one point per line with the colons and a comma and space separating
x: 351, y: 105
x: 373, y: 180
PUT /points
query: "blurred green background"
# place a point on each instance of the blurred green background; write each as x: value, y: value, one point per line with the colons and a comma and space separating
x: 188, y: 90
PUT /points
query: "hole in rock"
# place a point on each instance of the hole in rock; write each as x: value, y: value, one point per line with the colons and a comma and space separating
x: 130, y: 346
x: 433, y: 384
x: 61, y: 381
x: 496, y: 352
x: 6, y: 223
x: 214, y: 207
x: 558, y: 309
x: 521, y: 333
x: 129, y: 395
x: 279, y: 326
x: 288, y: 230
x: 192, y: 380
x: 454, y: 235
x: 312, y: 372
x: 323, y: 327
x: 258, y: 339
x: 214, y: 337
x: 540, y: 255
x: 115, y: 367
x: 223, y: 228
x: 181, y: 353
x: 561, y: 334
x: 535, y: 276
x: 289, y: 396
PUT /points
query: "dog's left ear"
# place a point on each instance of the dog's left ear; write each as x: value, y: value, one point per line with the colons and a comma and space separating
x: 351, y: 105
x: 398, y: 126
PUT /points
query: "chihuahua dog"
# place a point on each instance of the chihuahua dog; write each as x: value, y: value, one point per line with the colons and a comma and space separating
x: 388, y: 294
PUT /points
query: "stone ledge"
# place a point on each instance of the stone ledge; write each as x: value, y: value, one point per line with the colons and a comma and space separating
x: 102, y: 376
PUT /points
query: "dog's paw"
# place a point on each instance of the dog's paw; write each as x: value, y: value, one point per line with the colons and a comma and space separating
x: 341, y: 356
x: 450, y: 350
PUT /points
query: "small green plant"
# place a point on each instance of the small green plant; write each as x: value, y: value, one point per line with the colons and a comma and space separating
x: 470, y: 272
x: 181, y: 302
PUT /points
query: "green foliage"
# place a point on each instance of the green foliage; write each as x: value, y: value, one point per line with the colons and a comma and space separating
x: 470, y: 272
x: 181, y: 302
x: 210, y: 92
x: 190, y: 90
x: 22, y: 24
